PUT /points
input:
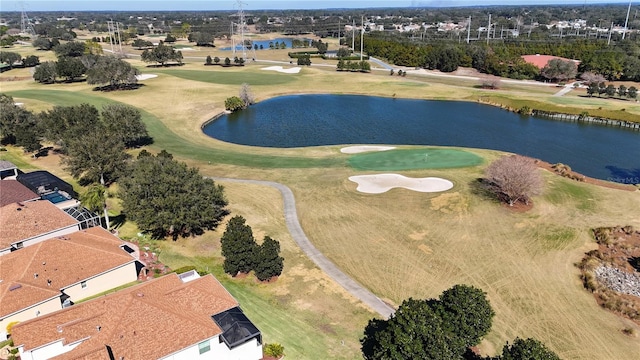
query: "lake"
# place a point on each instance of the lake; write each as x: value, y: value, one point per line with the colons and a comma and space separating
x: 311, y: 120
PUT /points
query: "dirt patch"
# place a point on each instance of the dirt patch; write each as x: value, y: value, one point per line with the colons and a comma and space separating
x: 618, y: 248
x: 519, y: 206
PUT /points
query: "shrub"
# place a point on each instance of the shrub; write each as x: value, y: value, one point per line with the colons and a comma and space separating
x: 234, y: 103
x: 514, y: 178
x: 274, y: 350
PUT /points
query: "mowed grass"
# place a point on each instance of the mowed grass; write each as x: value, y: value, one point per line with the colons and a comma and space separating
x: 413, y: 159
x: 230, y: 77
x: 398, y: 244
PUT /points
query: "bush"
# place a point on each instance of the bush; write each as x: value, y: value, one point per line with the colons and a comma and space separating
x: 234, y: 103
x: 274, y: 350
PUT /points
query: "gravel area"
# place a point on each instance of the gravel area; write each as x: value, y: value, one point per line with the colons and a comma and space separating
x: 618, y: 280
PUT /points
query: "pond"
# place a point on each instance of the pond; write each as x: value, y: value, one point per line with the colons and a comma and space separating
x: 310, y: 120
x: 267, y: 44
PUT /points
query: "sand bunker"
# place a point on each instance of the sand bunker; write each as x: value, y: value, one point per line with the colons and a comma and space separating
x: 364, y: 148
x: 294, y: 70
x: 145, y: 76
x: 380, y: 183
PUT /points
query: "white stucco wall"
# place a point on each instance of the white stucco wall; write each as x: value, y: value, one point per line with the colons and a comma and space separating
x: 47, y: 351
x: 250, y: 350
x: 103, y: 282
x: 41, y: 309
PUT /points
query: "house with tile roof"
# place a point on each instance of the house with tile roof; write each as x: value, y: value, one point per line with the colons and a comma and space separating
x: 170, y: 317
x: 12, y: 191
x: 8, y: 170
x: 57, y: 272
x: 27, y: 223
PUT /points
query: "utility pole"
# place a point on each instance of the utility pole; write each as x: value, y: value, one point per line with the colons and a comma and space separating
x: 610, y: 31
x: 624, y: 32
x: 489, y: 29
x: 469, y: 30
x: 361, y: 38
x: 353, y: 35
x: 338, y: 32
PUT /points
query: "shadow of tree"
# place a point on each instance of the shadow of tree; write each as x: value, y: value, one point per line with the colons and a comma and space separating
x: 117, y: 221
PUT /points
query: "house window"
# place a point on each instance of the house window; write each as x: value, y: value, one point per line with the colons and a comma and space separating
x: 204, y: 347
x: 83, y: 284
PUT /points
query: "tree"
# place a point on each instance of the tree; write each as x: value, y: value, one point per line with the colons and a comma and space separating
x: 9, y: 58
x: 124, y: 123
x: 592, y: 89
x: 414, y: 331
x: 65, y: 123
x: 610, y: 90
x: 528, y: 349
x: 112, y: 71
x: 94, y: 199
x: 227, y: 61
x: 246, y: 95
x: 238, y: 247
x: 202, y: 38
x: 46, y: 73
x: 364, y: 66
x: 42, y: 43
x: 559, y: 70
x: 590, y: 78
x: 31, y: 61
x: 95, y: 156
x: 70, y: 68
x: 165, y: 197
x: 632, y: 92
x: 140, y: 44
x: 70, y: 49
x: 341, y: 65
x: 161, y: 54
x: 208, y: 60
x: 234, y: 103
x: 466, y: 312
x: 18, y: 125
x: 514, y: 178
x: 216, y: 60
x: 343, y: 52
x: 268, y: 262
x: 622, y: 90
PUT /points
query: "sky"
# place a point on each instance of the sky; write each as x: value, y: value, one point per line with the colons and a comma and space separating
x: 175, y: 5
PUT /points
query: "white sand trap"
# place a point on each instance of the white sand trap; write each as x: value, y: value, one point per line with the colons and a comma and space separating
x: 380, y: 183
x: 364, y: 148
x: 145, y: 76
x: 294, y: 70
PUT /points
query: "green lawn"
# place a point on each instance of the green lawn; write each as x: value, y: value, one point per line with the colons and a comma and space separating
x: 414, y: 159
x: 231, y: 76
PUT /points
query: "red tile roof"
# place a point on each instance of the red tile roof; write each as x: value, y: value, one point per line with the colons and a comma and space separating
x: 147, y: 321
x: 60, y: 261
x: 20, y: 222
x: 12, y: 191
x: 541, y: 61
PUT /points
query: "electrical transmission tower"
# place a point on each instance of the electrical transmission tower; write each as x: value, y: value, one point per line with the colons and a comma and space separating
x: 240, y: 26
x: 25, y: 24
x: 114, y: 28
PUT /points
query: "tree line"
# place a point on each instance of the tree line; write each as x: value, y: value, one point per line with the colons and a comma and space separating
x: 503, y: 59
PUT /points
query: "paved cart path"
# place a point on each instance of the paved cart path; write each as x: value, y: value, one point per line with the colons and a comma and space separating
x: 298, y: 235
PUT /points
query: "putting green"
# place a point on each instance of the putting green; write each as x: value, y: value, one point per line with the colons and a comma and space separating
x: 414, y: 159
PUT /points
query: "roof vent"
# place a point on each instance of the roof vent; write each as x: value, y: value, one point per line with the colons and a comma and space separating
x: 59, y: 328
x: 140, y: 294
x: 19, y: 209
x: 98, y: 328
x: 35, y: 275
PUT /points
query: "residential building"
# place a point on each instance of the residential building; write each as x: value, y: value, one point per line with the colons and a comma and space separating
x: 11, y: 191
x: 28, y: 223
x: 57, y: 272
x: 8, y: 170
x: 166, y: 318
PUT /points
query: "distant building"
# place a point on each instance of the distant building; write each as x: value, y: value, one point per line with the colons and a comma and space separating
x: 57, y: 272
x: 166, y: 318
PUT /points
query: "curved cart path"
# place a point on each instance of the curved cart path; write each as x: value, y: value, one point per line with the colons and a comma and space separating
x: 298, y: 235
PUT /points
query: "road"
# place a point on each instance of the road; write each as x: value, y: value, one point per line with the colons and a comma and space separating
x: 298, y: 235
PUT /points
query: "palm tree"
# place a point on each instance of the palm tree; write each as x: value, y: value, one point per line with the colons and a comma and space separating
x: 94, y: 200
